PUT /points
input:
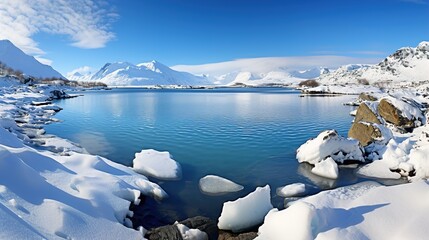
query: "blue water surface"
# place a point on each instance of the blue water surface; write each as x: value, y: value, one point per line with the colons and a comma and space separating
x: 248, y: 135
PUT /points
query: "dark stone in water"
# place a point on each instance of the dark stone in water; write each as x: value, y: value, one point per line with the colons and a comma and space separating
x: 169, y: 232
x: 225, y: 235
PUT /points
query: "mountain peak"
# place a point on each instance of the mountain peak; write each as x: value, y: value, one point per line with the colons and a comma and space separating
x: 16, y: 59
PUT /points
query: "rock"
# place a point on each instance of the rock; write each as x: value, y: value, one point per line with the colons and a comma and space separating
x: 365, y: 133
x: 365, y: 114
x: 168, y: 232
x: 58, y: 94
x: 367, y: 97
x: 225, y: 235
x: 204, y: 224
x: 393, y: 115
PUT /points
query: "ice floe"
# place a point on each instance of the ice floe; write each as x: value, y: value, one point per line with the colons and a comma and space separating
x: 157, y: 164
x: 215, y: 185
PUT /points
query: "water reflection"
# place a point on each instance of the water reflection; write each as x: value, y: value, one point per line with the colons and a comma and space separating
x: 94, y: 142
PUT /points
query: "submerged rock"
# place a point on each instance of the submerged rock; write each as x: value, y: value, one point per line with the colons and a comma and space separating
x: 225, y: 235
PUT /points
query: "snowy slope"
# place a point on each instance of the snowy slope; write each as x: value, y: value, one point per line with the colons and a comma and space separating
x: 256, y: 71
x: 150, y: 73
x: 14, y: 58
x: 407, y: 64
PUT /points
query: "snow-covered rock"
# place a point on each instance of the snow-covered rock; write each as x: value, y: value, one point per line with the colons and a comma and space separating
x: 215, y: 185
x: 191, y: 234
x: 327, y: 168
x: 246, y: 212
x: 157, y: 164
x: 329, y: 144
x: 291, y: 190
x: 16, y: 59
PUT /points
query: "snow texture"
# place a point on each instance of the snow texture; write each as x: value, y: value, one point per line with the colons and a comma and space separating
x: 157, y: 164
x: 327, y: 168
x: 246, y: 212
x: 215, y: 185
x: 191, y: 234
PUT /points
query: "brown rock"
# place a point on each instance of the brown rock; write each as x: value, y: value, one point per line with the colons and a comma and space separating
x: 393, y: 115
x: 364, y: 133
x: 367, y: 97
x: 365, y: 114
x: 225, y: 235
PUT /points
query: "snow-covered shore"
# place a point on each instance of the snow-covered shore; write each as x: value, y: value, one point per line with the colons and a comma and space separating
x: 51, y: 188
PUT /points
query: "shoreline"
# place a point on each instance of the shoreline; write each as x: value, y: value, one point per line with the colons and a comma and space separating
x: 63, y: 146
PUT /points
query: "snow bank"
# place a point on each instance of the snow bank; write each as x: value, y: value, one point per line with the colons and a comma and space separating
x: 157, y: 164
x: 211, y: 184
x: 295, y: 223
x: 362, y: 211
x: 327, y: 168
x: 329, y: 144
x: 68, y: 194
x: 291, y: 190
x: 246, y: 212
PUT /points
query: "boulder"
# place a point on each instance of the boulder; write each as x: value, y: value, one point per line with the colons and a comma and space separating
x: 164, y: 232
x: 365, y: 133
x: 367, y: 97
x: 365, y: 114
x: 393, y: 115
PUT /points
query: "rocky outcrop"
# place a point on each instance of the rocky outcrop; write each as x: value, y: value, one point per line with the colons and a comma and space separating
x: 365, y: 114
x: 393, y: 115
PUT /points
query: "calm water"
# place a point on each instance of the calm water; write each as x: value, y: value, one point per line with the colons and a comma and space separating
x: 247, y: 135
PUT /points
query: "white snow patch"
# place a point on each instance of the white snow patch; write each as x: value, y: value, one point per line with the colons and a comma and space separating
x: 246, y: 212
x: 212, y: 184
x: 157, y: 164
x: 327, y: 168
x: 291, y: 190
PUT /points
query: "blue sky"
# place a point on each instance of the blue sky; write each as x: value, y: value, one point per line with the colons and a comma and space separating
x: 196, y: 32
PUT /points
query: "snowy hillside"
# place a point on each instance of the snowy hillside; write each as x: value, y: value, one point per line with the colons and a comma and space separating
x: 278, y: 70
x: 150, y: 73
x: 407, y: 64
x: 14, y: 58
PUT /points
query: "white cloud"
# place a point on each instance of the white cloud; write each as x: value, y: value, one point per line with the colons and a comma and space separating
x: 85, y: 22
x: 274, y: 63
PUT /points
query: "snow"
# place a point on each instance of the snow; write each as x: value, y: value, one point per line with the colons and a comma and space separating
x: 295, y: 223
x: 329, y: 144
x: 191, y: 234
x: 215, y: 185
x: 15, y: 58
x: 362, y: 211
x: 291, y: 190
x: 343, y: 89
x: 246, y: 212
x: 157, y: 164
x: 327, y: 168
x: 65, y: 194
x: 407, y: 110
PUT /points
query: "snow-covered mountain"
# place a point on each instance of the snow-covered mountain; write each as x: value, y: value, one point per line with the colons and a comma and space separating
x: 407, y: 64
x: 150, y: 73
x: 268, y: 70
x: 16, y: 59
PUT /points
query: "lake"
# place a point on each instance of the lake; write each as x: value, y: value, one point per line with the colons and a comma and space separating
x: 248, y: 135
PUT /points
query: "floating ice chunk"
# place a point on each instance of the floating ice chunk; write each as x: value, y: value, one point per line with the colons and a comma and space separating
x: 329, y: 144
x: 191, y: 234
x: 157, y: 164
x: 212, y: 184
x: 246, y: 212
x: 327, y: 168
x: 293, y: 222
x: 291, y: 190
